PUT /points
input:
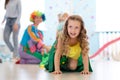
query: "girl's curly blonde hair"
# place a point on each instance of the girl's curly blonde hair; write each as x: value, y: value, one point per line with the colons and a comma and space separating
x: 82, y: 37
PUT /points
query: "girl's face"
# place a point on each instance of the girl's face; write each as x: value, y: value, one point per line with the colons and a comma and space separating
x: 73, y: 28
x: 37, y: 20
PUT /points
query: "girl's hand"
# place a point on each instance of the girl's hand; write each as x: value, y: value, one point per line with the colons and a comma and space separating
x: 57, y: 72
x: 3, y: 21
x: 42, y: 51
x: 40, y: 44
x: 32, y: 49
x: 85, y: 72
x: 15, y: 27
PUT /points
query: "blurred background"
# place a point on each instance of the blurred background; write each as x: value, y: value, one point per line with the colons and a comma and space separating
x: 101, y: 21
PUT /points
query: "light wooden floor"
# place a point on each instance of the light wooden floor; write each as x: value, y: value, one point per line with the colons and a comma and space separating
x: 103, y: 70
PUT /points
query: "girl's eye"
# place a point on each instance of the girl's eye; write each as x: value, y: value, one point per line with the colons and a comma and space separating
x: 70, y: 26
x: 76, y: 27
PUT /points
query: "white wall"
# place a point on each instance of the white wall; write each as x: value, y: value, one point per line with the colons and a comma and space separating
x: 107, y: 15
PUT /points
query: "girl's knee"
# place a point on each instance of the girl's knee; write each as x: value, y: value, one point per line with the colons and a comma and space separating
x: 72, y: 64
x: 72, y: 67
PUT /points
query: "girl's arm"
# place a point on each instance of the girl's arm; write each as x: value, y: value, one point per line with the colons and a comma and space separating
x: 19, y: 8
x: 57, y: 57
x: 3, y: 20
x: 85, y: 62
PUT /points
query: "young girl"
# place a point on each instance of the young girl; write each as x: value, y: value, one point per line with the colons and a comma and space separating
x: 12, y: 26
x: 31, y: 46
x: 70, y: 50
x: 61, y: 18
